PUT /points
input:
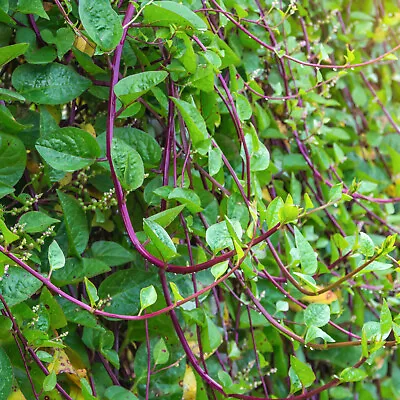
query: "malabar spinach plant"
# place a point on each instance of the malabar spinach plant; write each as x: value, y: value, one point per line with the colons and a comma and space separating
x: 199, y: 199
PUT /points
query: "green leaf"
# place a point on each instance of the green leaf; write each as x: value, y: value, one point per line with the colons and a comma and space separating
x: 56, y: 256
x: 385, y: 320
x: 8, y: 122
x: 5, y: 189
x: 160, y: 353
x: 10, y: 95
x: 18, y: 286
x: 128, y: 164
x: 352, y: 374
x: 218, y: 236
x: 288, y: 213
x: 211, y: 336
x: 164, y: 218
x: 143, y: 143
x: 118, y: 393
x: 91, y: 291
x: 8, y: 53
x: 308, y: 258
x: 76, y: 223
x: 124, y: 289
x: 63, y: 39
x: 314, y: 332
x: 366, y: 245
x: 160, y: 238
x: 75, y: 270
x: 13, y: 159
x: 317, y: 315
x: 308, y: 204
x: 68, y: 149
x: 111, y: 253
x: 335, y: 193
x: 282, y: 306
x: 32, y: 7
x: 214, y: 161
x: 132, y: 87
x: 36, y: 221
x: 49, y: 84
x: 272, y: 215
x: 187, y: 197
x: 219, y: 269
x: 101, y: 22
x: 175, y: 292
x: 44, y: 356
x: 56, y: 313
x: 8, y: 236
x: 6, y: 373
x: 148, y: 296
x: 243, y: 107
x: 165, y: 13
x: 303, y: 371
x: 50, y: 382
x: 195, y: 124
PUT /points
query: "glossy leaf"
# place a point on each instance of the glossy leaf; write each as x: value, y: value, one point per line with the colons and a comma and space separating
x: 303, y: 371
x: 160, y: 238
x: 101, y: 22
x: 132, y: 87
x: 128, y: 164
x: 68, y: 149
x: 187, y: 197
x: 164, y: 13
x: 196, y: 125
x: 49, y: 84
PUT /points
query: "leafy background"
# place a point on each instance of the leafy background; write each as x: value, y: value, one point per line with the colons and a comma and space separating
x: 199, y: 199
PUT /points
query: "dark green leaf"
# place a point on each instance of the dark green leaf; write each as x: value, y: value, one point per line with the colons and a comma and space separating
x: 101, y: 22
x: 111, y: 253
x: 6, y: 374
x: 49, y: 84
x: 75, y: 221
x: 124, y: 289
x: 75, y: 270
x: 13, y: 159
x: 18, y: 286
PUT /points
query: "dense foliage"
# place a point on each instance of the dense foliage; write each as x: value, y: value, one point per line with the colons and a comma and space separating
x: 199, y: 199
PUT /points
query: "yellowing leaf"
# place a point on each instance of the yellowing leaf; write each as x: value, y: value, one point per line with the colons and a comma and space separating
x: 63, y: 365
x: 189, y: 385
x: 85, y: 45
x: 324, y: 298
